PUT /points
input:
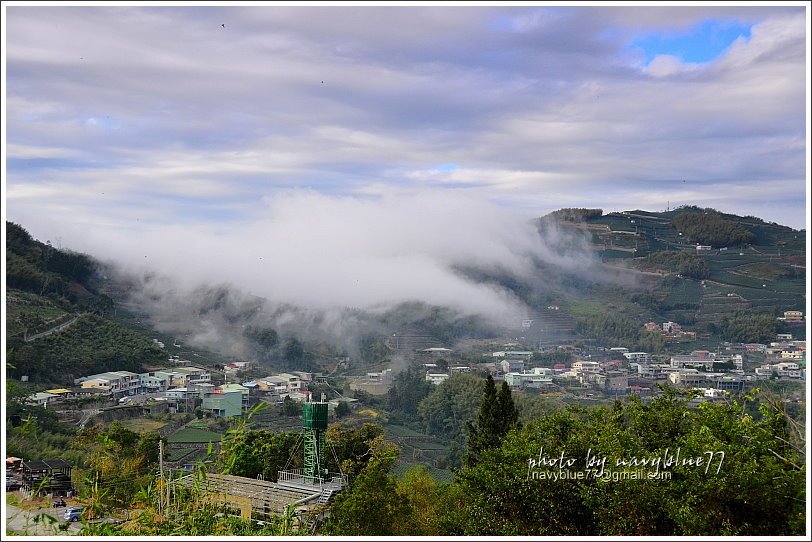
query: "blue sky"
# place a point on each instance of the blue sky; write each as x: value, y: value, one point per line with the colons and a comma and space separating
x: 703, y: 42
x: 125, y: 123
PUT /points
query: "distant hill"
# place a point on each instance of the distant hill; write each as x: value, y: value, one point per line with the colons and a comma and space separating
x: 63, y: 321
x: 741, y: 263
x: 57, y: 326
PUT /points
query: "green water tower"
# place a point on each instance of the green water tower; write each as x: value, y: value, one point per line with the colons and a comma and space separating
x: 314, y: 423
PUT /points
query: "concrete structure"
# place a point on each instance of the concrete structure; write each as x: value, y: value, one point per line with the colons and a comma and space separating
x: 796, y: 355
x: 42, y: 398
x: 783, y: 370
x: 616, y: 381
x: 48, y: 477
x: 688, y: 378
x: 654, y: 371
x: 637, y: 357
x: 528, y: 380
x: 436, y: 378
x: 520, y: 354
x: 112, y: 383
x: 512, y: 366
x: 383, y: 377
x: 223, y: 403
x: 228, y: 388
x: 694, y: 362
x: 586, y: 366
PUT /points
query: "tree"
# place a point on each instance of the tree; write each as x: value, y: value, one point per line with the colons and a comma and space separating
x: 294, y: 351
x: 426, y: 502
x: 342, y: 409
x: 352, y: 449
x: 497, y: 416
x: 749, y: 328
x: 29, y: 321
x: 757, y: 488
x: 445, y: 411
x: 371, y: 507
x: 408, y: 388
x: 118, y: 460
x: 291, y: 407
x: 295, y: 356
x: 506, y: 411
x: 265, y: 337
x: 708, y: 227
x: 485, y: 434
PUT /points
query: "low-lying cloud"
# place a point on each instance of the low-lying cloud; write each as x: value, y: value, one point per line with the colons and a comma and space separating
x: 322, y: 252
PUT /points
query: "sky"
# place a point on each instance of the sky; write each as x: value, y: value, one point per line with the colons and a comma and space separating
x: 361, y: 152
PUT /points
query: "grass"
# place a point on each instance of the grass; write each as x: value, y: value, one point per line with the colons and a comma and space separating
x: 586, y: 308
x: 198, y: 425
x: 142, y: 425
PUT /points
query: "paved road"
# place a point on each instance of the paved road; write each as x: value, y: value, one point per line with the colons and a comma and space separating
x: 32, y: 522
x: 60, y: 327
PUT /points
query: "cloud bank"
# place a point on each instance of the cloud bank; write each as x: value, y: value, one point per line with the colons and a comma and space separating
x: 322, y: 252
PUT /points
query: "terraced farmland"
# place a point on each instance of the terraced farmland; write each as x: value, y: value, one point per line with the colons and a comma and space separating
x: 191, y: 435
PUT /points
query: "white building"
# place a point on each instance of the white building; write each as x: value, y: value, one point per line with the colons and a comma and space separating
x: 637, y: 357
x: 783, y: 369
x: 436, y: 378
x: 586, y: 366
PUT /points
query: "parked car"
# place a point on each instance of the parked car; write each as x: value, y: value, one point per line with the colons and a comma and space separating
x: 74, y: 513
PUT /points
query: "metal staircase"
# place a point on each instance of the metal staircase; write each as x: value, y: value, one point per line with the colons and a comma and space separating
x: 329, y: 489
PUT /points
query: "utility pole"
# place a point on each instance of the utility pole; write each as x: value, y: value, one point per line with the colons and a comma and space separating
x: 161, y: 469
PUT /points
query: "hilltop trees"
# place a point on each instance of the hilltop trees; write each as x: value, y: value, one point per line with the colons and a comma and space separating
x: 709, y: 228
x: 40, y: 268
x: 571, y: 214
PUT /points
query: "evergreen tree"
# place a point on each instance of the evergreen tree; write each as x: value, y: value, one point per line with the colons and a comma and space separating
x: 507, y: 413
x: 485, y: 434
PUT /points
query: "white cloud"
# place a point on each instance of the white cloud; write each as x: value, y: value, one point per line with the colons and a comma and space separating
x: 191, y: 119
x: 325, y: 252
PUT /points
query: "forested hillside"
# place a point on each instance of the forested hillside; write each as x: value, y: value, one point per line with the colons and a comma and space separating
x: 57, y: 326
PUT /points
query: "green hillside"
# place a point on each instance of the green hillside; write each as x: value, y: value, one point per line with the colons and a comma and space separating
x: 751, y: 264
x: 57, y: 326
